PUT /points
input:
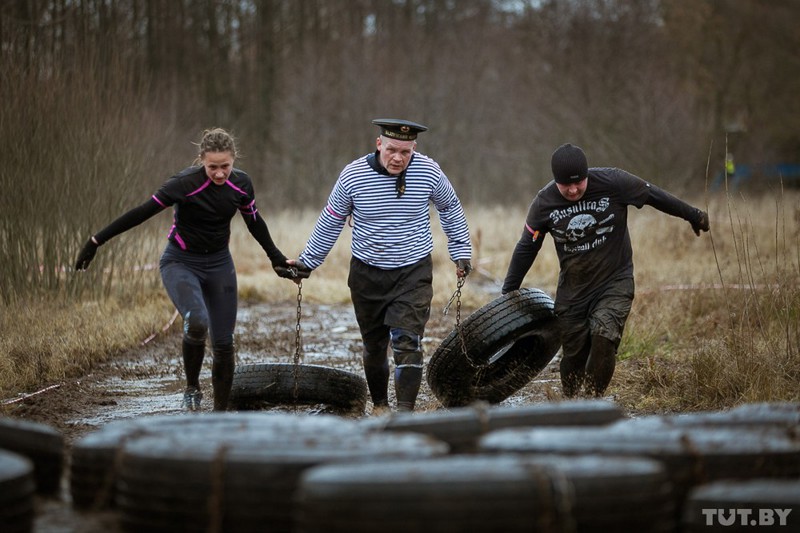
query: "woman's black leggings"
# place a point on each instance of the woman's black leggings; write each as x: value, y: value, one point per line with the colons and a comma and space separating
x: 204, y: 290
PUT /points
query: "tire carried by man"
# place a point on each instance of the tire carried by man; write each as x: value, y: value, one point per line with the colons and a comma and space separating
x: 496, y: 350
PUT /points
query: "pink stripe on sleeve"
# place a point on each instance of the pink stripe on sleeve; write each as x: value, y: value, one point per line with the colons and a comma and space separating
x: 249, y: 209
x: 159, y: 202
x: 180, y: 241
x: 330, y: 210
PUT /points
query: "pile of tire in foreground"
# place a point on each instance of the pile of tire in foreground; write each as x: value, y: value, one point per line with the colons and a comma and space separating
x: 573, y: 466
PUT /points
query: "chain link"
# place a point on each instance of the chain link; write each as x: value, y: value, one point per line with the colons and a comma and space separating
x: 456, y: 297
x: 297, y: 343
x: 459, y: 329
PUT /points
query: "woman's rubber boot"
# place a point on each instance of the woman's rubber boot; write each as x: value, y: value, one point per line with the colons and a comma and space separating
x: 192, y: 363
x: 222, y: 376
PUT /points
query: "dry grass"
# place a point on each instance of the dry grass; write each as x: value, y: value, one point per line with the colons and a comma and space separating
x: 714, y: 323
x: 44, y: 341
x: 730, y: 335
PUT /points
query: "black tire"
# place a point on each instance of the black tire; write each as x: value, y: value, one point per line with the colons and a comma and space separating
x: 484, y: 493
x: 17, y: 487
x: 40, y: 443
x: 241, y: 481
x: 462, y: 427
x: 94, y: 467
x: 286, y: 383
x: 753, y: 416
x: 456, y: 493
x: 508, y: 342
x: 692, y: 455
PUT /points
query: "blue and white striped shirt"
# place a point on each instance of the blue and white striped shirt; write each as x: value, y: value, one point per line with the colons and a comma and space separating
x: 390, y: 232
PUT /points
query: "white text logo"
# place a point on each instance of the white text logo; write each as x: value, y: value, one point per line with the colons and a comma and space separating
x: 746, y: 517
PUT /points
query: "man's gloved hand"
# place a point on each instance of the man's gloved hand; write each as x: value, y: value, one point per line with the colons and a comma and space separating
x: 294, y: 270
x: 303, y: 271
x: 700, y: 222
x: 463, y: 268
x: 86, y: 255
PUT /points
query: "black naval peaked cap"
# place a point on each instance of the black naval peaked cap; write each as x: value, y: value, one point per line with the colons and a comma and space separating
x: 402, y: 130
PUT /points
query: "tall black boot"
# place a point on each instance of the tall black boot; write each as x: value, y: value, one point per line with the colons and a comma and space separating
x: 600, y: 366
x: 407, y: 379
x: 222, y: 375
x: 573, y: 371
x: 376, y: 370
x: 192, y: 364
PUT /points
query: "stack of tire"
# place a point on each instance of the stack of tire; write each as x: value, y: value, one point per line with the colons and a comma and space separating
x: 693, y: 455
x: 222, y: 472
x: 31, y: 461
x: 509, y: 493
x: 758, y: 504
x: 462, y: 427
x: 569, y: 466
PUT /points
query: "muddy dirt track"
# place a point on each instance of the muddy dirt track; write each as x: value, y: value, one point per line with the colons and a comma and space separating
x: 149, y: 380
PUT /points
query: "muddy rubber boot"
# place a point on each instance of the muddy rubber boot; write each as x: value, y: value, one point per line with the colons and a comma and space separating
x: 407, y: 379
x: 600, y: 366
x: 572, y: 374
x: 573, y: 367
x: 222, y: 376
x: 376, y: 370
x: 192, y: 363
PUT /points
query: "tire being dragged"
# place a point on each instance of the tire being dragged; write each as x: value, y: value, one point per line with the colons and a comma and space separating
x: 285, y: 383
x: 507, y: 343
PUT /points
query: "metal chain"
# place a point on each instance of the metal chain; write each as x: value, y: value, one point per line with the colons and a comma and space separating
x: 297, y: 342
x: 459, y: 330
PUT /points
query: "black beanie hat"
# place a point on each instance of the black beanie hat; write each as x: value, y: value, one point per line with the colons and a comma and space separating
x: 569, y: 164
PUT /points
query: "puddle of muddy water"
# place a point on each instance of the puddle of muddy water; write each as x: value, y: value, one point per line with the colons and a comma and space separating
x: 134, y: 398
x: 151, y: 381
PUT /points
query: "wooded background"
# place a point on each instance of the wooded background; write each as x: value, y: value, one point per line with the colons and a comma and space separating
x: 100, y: 101
x: 652, y: 86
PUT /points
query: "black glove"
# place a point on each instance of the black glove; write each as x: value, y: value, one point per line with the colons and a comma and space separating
x: 287, y: 271
x: 463, y: 265
x: 699, y: 222
x: 303, y: 271
x: 86, y: 255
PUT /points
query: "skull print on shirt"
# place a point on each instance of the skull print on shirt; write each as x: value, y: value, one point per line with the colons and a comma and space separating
x: 577, y: 228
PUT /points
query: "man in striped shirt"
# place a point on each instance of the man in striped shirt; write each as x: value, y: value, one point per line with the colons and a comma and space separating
x: 387, y: 193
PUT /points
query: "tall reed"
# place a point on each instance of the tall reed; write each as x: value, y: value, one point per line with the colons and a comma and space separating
x: 80, y: 148
x: 733, y: 338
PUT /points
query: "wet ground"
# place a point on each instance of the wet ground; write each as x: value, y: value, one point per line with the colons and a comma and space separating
x: 149, y: 380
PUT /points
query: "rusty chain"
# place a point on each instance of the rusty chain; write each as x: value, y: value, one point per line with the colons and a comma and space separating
x: 456, y: 297
x: 297, y: 342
